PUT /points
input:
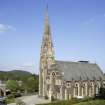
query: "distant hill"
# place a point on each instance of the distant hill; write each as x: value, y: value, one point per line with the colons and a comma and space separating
x: 20, y: 72
x: 14, y: 74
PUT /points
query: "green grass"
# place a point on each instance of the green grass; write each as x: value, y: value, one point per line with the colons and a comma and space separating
x: 8, y: 100
x: 78, y: 102
x: 69, y: 102
x: 93, y: 102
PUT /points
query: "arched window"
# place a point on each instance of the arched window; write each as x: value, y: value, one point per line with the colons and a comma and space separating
x: 84, y: 89
x: 97, y: 88
x: 1, y: 92
x: 53, y: 74
x: 92, y: 84
x: 76, y: 89
x: 104, y: 84
x: 68, y: 84
x: 91, y: 89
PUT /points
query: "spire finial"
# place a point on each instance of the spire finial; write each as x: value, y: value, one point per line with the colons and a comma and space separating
x: 47, y: 8
x: 47, y: 26
x: 47, y: 4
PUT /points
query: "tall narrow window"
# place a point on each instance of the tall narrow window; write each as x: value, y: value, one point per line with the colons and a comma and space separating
x: 84, y: 90
x: 76, y: 90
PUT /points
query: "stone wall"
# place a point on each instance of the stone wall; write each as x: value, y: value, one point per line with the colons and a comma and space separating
x: 63, y: 90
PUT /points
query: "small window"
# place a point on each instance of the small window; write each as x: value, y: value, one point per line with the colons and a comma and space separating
x: 91, y: 84
x: 84, y: 84
x: 104, y: 85
x: 68, y: 84
x: 76, y: 84
x: 53, y: 74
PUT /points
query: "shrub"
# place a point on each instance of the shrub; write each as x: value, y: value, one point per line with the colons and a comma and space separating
x: 46, y: 97
x: 101, y: 94
x: 10, y: 100
x: 10, y: 96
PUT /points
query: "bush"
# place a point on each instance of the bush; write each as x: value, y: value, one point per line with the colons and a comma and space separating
x: 10, y: 100
x: 10, y: 96
x: 101, y: 94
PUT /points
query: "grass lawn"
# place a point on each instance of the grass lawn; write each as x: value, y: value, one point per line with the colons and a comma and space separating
x: 93, y: 102
x: 64, y: 102
x: 8, y: 100
x: 78, y: 102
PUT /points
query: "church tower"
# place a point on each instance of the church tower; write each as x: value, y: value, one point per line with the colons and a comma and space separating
x: 46, y: 56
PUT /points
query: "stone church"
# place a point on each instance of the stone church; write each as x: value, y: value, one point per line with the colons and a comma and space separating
x: 65, y: 79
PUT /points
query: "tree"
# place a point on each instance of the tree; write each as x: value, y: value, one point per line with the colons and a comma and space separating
x: 32, y: 84
x: 102, y: 93
x: 12, y: 85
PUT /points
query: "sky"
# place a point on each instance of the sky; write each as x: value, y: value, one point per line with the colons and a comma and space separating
x: 77, y: 27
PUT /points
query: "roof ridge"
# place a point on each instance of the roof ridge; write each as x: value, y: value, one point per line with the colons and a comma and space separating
x: 75, y: 62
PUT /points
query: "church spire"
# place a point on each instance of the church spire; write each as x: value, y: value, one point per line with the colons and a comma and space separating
x: 47, y: 30
x: 46, y: 55
x: 47, y: 26
x: 47, y: 38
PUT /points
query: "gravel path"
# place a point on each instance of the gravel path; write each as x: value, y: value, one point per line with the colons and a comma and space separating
x: 12, y: 104
x: 32, y: 100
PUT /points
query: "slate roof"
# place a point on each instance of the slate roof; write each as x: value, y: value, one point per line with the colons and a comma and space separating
x: 79, y: 70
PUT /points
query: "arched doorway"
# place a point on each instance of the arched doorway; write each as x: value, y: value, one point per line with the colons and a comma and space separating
x: 1, y: 92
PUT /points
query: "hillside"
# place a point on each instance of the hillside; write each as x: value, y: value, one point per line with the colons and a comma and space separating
x: 14, y: 74
x: 20, y: 72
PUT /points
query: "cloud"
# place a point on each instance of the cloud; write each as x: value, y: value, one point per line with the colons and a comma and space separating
x: 5, y: 28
